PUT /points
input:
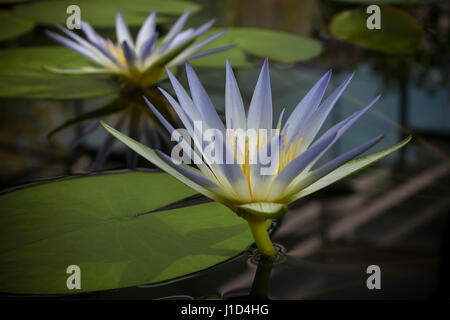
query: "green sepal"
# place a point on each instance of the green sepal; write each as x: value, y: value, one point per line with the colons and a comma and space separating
x: 266, y: 210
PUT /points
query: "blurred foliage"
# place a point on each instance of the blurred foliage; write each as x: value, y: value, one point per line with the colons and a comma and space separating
x: 22, y: 75
x: 102, y: 13
x: 277, y: 45
x: 24, y: 71
x: 399, y: 32
x: 399, y: 2
x: 428, y: 66
x: 129, y: 113
x: 12, y: 26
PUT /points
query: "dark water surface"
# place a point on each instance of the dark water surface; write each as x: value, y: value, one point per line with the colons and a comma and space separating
x: 394, y: 215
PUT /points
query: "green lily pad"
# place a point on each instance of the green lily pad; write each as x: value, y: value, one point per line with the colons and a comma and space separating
x: 101, y: 13
x: 277, y: 45
x: 22, y: 75
x: 12, y: 26
x: 400, y: 2
x: 93, y: 222
x: 399, y: 32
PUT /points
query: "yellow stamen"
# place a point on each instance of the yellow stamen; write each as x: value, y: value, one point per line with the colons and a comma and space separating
x: 289, y: 156
x: 247, y: 166
x: 117, y: 52
x: 282, y: 156
x: 299, y: 140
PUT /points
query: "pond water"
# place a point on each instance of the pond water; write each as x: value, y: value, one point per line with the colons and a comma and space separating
x: 393, y: 215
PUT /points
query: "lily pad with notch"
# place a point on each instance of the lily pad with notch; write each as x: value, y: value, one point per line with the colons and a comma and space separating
x: 101, y: 13
x: 399, y: 33
x: 280, y: 46
x: 93, y: 221
x: 22, y: 75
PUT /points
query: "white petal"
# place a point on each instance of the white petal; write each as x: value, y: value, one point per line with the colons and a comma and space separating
x: 234, y: 107
x: 147, y: 30
x: 347, y: 169
x: 317, y: 119
x: 260, y: 110
x: 306, y: 107
x: 153, y: 157
x: 122, y: 32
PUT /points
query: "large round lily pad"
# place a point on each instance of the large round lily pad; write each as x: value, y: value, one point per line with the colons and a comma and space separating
x: 22, y: 74
x: 399, y: 32
x: 277, y: 45
x: 102, y: 13
x: 400, y: 2
x: 12, y: 26
x: 93, y: 222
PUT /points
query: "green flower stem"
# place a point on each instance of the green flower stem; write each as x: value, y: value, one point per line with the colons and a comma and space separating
x: 262, y: 239
x: 261, y: 280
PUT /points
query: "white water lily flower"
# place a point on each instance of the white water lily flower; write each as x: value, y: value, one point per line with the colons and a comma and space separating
x: 241, y: 186
x: 142, y: 61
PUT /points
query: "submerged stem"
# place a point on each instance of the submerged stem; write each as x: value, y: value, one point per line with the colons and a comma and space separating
x: 261, y: 280
x: 262, y: 239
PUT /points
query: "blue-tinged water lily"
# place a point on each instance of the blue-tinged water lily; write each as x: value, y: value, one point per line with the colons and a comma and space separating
x: 242, y: 186
x: 139, y: 62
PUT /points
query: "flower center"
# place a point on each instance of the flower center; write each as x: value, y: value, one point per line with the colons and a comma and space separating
x: 246, y: 157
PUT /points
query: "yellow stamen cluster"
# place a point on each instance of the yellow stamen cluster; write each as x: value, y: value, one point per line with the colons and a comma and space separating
x: 288, y: 153
x: 245, y: 159
x: 117, y: 52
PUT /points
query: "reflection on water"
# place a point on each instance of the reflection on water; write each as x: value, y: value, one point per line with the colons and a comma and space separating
x: 394, y: 215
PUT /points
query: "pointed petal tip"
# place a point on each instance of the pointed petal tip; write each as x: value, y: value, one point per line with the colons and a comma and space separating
x: 59, y: 26
x: 149, y: 104
x: 374, y: 100
x: 105, y: 125
x: 408, y: 139
x: 348, y: 79
x: 351, y: 75
x: 265, y: 67
x: 189, y: 70
x: 378, y: 138
x: 162, y: 90
x: 168, y: 71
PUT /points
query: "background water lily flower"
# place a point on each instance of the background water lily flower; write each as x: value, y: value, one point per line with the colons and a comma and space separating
x: 242, y: 187
x: 142, y: 61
